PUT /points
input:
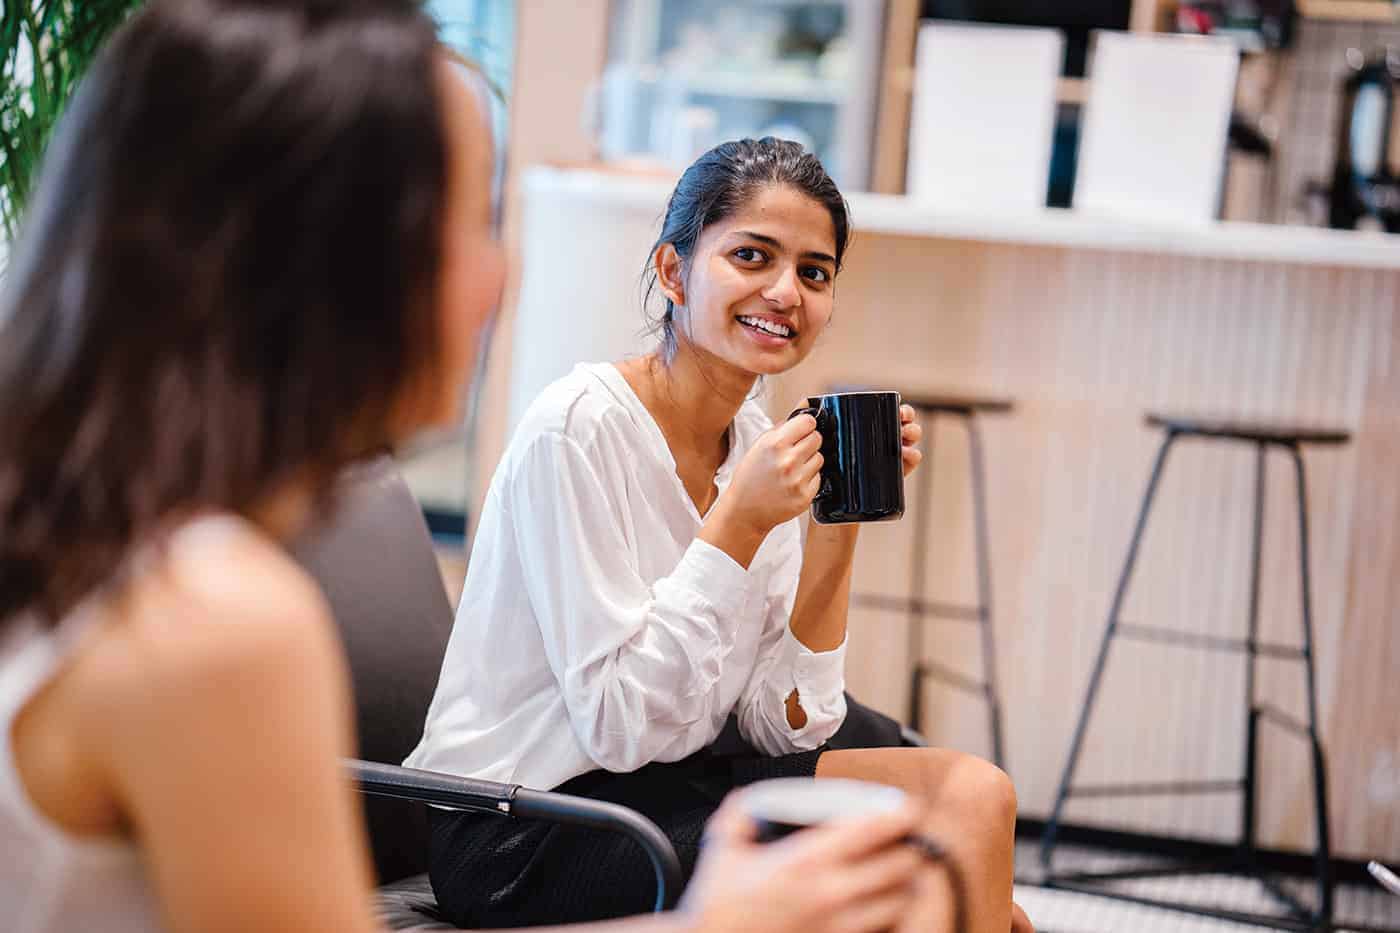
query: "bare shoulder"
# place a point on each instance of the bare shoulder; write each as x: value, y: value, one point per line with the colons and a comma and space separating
x: 220, y: 622
x: 222, y: 578
x: 230, y: 572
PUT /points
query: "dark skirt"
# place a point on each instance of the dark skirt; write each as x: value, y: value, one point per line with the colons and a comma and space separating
x: 489, y: 871
x: 493, y: 872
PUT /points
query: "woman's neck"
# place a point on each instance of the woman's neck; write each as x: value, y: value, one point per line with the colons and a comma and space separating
x: 286, y: 510
x: 694, y: 400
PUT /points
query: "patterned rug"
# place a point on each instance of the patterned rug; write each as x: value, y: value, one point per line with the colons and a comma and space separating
x: 1056, y: 911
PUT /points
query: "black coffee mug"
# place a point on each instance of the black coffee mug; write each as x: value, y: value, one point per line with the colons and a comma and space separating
x: 863, y: 460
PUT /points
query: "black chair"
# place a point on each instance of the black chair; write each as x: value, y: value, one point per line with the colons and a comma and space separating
x: 1261, y: 436
x: 376, y: 564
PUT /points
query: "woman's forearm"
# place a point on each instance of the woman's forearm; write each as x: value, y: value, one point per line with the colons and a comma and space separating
x: 824, y: 588
x: 725, y: 530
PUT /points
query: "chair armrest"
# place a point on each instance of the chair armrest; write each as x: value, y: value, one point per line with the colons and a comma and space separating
x: 459, y: 793
x: 443, y: 790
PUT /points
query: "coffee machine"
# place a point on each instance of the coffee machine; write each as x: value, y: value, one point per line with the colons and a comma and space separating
x: 1366, y: 176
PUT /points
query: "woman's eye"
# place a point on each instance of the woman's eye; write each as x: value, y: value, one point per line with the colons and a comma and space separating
x: 748, y: 254
x: 816, y: 274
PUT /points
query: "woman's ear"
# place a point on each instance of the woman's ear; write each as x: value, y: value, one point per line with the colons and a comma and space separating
x: 669, y: 273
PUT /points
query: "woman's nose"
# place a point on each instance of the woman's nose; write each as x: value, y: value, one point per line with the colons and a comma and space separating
x: 783, y: 291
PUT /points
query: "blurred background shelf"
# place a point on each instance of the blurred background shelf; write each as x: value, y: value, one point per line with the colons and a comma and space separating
x: 793, y: 89
x: 682, y: 75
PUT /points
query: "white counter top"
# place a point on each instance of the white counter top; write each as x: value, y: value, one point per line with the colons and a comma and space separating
x: 900, y: 216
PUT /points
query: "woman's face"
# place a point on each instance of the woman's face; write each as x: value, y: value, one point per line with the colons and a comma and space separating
x: 473, y: 262
x: 759, y: 289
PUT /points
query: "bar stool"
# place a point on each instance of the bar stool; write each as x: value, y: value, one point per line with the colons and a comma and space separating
x: 1262, y: 436
x: 917, y: 606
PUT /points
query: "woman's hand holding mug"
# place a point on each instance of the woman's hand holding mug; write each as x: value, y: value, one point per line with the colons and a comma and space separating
x: 775, y: 482
x: 782, y: 474
x: 851, y: 876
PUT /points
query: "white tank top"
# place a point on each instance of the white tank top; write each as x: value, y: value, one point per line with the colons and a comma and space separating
x: 50, y: 880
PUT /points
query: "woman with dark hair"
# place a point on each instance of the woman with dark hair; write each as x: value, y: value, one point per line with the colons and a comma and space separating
x: 262, y: 248
x: 640, y: 561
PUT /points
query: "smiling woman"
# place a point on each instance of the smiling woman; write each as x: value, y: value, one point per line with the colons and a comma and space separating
x: 640, y: 561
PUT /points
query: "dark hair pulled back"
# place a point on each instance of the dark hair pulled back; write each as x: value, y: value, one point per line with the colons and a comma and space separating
x: 717, y: 185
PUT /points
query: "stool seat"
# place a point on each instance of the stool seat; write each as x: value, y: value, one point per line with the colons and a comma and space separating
x: 1255, y: 430
x: 959, y: 402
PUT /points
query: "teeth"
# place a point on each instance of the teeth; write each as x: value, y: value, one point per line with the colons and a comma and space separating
x: 781, y: 330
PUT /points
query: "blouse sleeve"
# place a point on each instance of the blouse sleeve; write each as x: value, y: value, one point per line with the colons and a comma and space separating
x: 637, y: 662
x: 785, y: 664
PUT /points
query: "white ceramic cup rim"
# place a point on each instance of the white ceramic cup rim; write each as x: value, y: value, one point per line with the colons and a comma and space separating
x: 852, y: 395
x: 812, y: 801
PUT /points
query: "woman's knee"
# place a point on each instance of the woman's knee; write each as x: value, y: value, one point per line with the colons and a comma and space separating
x: 995, y: 787
x: 979, y: 789
x: 956, y: 786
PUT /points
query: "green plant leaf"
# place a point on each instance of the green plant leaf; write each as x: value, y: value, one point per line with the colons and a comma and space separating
x: 46, y: 47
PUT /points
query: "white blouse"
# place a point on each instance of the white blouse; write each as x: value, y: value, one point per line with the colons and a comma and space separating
x: 595, y: 630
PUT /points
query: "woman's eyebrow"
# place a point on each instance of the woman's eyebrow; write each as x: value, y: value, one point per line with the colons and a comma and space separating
x: 770, y: 241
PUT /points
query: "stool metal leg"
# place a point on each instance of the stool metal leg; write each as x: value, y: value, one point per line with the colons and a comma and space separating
x: 1251, y: 702
x: 984, y: 588
x: 1052, y: 826
x: 917, y: 587
x: 1323, y: 855
x: 1245, y: 858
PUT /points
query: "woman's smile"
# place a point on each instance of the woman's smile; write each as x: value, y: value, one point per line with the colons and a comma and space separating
x: 768, y: 330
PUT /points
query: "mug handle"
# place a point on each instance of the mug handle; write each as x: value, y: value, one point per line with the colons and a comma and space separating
x: 816, y: 413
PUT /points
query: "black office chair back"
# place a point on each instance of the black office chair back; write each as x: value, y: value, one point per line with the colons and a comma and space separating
x: 374, y: 559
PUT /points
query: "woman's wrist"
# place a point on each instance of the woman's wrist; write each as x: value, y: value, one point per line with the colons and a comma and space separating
x: 819, y: 612
x: 733, y: 535
x: 833, y: 547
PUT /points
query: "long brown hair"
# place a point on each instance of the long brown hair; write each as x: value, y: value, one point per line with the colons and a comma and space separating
x: 227, y: 277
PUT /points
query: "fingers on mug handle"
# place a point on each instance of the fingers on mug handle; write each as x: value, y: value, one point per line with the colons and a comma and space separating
x: 883, y: 872
x: 793, y: 432
x: 810, y: 445
x: 808, y: 410
x: 730, y: 824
